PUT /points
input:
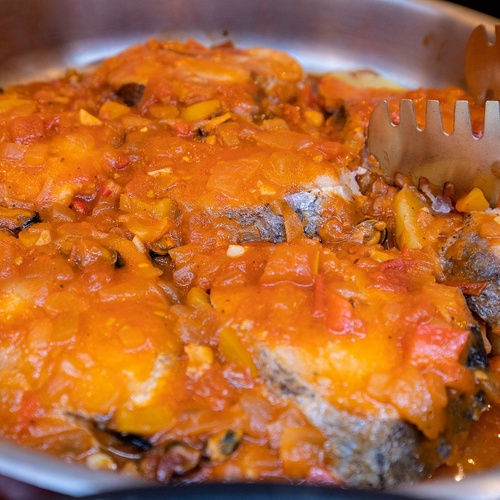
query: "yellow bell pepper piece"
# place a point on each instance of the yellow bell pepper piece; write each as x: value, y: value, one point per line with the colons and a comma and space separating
x: 472, y: 201
x: 201, y: 110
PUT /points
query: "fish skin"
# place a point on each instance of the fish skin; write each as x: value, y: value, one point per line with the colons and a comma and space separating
x: 469, y: 256
x: 375, y: 453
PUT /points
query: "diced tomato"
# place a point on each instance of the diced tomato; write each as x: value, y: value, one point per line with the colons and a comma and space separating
x: 27, y: 129
x: 339, y: 313
x: 471, y: 288
x: 51, y: 122
x: 322, y: 476
x: 438, y: 349
x: 29, y: 406
x: 182, y: 128
x: 332, y: 149
x: 307, y: 96
x: 159, y: 88
x: 318, y: 309
x: 116, y: 159
x: 396, y: 275
x: 106, y: 191
x: 296, y: 263
x: 80, y: 206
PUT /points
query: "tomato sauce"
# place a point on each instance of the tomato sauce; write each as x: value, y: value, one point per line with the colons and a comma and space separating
x: 173, y: 214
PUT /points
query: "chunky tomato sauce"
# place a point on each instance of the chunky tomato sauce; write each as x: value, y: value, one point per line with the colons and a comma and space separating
x: 183, y: 225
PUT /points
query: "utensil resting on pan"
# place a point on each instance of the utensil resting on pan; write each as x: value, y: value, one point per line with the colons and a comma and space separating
x: 459, y: 157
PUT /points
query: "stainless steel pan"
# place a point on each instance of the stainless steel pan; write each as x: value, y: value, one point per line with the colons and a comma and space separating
x: 414, y: 42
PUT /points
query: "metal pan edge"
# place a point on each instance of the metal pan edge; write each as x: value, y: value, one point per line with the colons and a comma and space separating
x: 414, y: 42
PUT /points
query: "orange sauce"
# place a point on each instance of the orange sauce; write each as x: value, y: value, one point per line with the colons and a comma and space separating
x: 150, y: 242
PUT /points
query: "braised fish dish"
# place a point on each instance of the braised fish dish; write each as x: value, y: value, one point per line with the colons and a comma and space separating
x: 204, y: 276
